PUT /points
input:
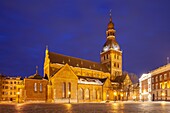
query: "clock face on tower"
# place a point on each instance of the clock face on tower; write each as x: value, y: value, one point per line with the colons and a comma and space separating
x: 116, y: 47
x: 106, y: 48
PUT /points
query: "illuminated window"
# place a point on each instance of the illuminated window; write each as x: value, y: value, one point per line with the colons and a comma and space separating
x: 153, y: 80
x: 152, y: 86
x: 98, y: 95
x: 35, y: 86
x: 69, y: 89
x: 156, y: 78
x: 160, y: 85
x: 64, y: 90
x: 160, y: 77
x: 157, y: 86
x: 40, y: 87
x: 165, y: 76
x: 80, y: 94
x: 87, y: 94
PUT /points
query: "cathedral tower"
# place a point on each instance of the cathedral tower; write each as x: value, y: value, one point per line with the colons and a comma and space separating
x: 111, y: 55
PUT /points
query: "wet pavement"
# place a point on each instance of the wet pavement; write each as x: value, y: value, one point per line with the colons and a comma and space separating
x: 118, y: 107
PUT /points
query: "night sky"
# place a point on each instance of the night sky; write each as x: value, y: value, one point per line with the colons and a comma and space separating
x: 78, y: 28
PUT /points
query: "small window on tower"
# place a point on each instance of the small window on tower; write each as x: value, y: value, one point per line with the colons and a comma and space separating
x: 35, y: 86
x: 40, y: 87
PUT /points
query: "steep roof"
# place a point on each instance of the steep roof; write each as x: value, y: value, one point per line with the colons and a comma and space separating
x: 119, y: 79
x: 76, y: 62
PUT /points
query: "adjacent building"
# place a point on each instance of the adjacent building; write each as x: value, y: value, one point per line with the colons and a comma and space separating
x: 161, y: 83
x: 155, y: 85
x: 145, y: 87
x: 9, y: 88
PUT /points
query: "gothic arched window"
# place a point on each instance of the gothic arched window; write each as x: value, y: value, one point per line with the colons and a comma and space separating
x: 87, y: 94
x: 80, y: 94
x: 64, y: 90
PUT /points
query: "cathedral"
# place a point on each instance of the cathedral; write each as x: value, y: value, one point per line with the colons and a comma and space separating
x: 77, y: 80
x: 74, y: 80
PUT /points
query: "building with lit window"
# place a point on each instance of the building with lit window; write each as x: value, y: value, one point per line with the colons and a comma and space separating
x: 69, y: 79
x: 77, y: 80
x: 9, y: 88
x: 155, y: 85
x: 145, y: 87
x: 1, y: 85
x: 161, y: 83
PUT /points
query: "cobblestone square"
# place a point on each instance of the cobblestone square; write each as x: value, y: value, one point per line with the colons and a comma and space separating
x: 118, y: 107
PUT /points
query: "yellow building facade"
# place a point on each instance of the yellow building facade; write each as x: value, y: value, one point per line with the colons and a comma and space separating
x: 9, y: 88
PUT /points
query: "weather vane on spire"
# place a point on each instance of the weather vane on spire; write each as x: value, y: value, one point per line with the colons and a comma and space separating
x: 110, y: 14
x: 36, y: 69
x: 46, y: 47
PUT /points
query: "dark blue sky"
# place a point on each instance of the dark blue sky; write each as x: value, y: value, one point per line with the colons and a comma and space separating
x: 77, y: 28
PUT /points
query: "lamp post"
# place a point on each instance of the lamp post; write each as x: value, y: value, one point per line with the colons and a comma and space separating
x: 121, y: 96
x: 163, y: 94
x: 115, y: 96
x: 18, y: 96
x: 69, y: 96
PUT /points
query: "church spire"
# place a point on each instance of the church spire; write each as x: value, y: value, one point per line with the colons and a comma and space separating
x: 110, y: 24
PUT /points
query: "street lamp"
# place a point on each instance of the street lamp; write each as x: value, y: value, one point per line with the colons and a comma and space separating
x: 69, y: 96
x: 163, y: 94
x: 115, y: 96
x: 18, y: 96
x: 122, y: 96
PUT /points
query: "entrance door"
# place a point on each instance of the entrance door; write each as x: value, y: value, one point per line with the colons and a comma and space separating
x: 153, y: 97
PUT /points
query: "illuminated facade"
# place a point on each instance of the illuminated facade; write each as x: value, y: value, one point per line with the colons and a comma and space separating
x: 145, y: 87
x: 111, y: 55
x: 77, y: 80
x: 155, y: 86
x: 1, y: 85
x: 161, y: 83
x: 69, y: 79
x: 9, y: 88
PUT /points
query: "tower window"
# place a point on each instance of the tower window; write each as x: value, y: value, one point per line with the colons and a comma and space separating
x: 35, y: 86
x: 107, y: 56
x: 40, y: 87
